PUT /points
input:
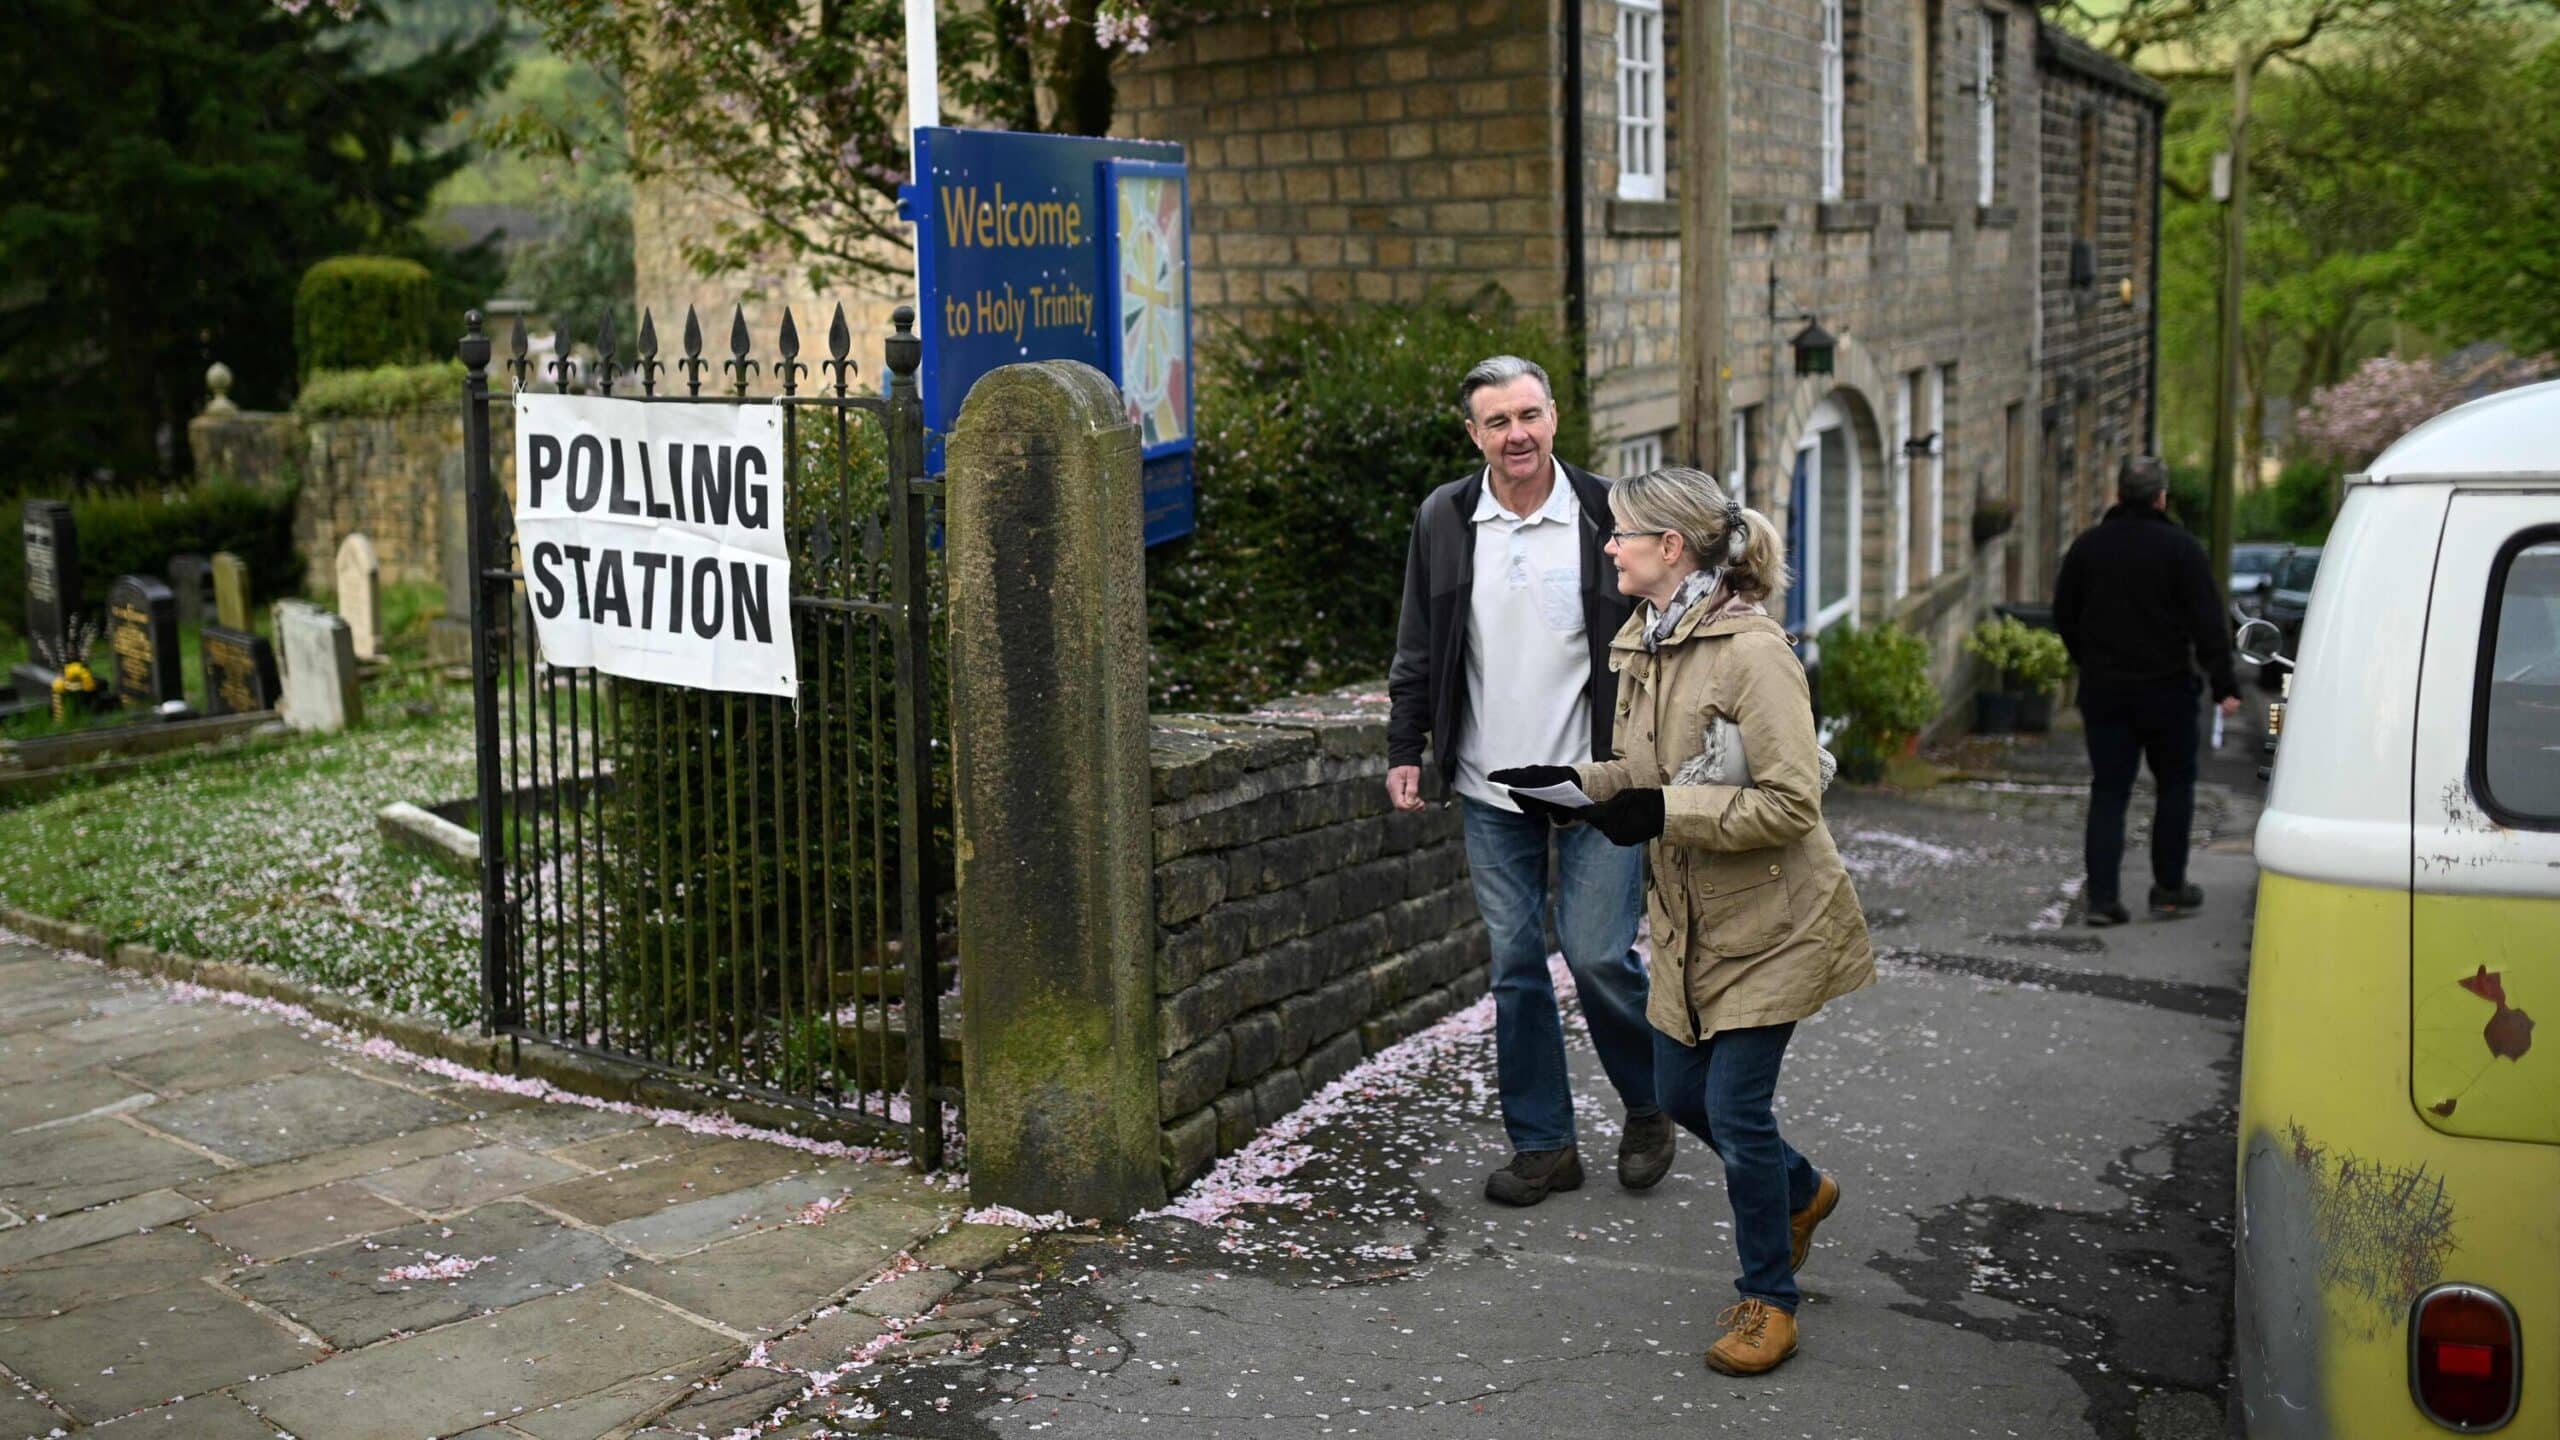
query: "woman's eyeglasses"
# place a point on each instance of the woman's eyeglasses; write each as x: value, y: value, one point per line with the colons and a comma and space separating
x: 1626, y: 535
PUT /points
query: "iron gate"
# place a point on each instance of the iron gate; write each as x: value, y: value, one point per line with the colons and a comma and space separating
x: 739, y: 889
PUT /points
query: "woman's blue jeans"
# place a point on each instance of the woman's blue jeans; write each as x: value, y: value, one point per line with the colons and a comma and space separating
x: 1599, y: 904
x: 1720, y: 1090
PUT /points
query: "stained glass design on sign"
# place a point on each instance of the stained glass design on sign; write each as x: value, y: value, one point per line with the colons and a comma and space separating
x: 1155, y: 321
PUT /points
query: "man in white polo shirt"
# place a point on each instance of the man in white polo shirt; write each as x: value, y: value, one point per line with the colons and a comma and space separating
x: 1502, y: 659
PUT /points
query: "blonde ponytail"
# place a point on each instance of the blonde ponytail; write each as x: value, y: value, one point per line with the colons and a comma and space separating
x: 1745, y: 544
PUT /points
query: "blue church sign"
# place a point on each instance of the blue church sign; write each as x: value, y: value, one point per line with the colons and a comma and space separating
x: 1061, y: 247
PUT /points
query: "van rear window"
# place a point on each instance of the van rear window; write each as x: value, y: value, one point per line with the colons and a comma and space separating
x: 2519, y: 725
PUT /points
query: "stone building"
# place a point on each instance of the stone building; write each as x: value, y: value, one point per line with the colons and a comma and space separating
x: 1897, y: 167
x: 1908, y: 171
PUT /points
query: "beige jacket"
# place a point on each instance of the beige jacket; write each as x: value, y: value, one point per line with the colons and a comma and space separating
x: 1752, y: 915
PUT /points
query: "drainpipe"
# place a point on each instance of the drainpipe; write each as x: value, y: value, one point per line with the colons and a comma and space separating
x: 2151, y: 322
x: 1576, y: 244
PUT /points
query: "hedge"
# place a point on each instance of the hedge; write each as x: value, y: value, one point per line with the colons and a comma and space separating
x: 139, y: 534
x: 358, y: 312
x: 384, y: 390
x: 1317, y: 438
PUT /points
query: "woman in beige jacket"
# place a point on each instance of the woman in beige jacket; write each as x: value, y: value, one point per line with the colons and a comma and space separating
x: 1753, y: 920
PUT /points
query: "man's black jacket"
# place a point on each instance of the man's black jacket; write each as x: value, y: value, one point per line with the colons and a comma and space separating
x: 2137, y: 605
x: 1426, y: 685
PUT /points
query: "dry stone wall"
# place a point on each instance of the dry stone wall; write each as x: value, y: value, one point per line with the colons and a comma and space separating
x: 1302, y: 924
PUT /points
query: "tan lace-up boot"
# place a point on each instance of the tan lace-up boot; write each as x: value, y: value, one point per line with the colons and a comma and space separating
x: 1800, y: 1225
x: 1758, y: 1338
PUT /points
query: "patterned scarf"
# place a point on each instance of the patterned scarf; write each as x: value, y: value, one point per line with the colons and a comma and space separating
x: 1663, y: 619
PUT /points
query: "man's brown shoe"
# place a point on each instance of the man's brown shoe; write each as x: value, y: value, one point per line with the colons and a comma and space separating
x: 1826, y: 1198
x: 1758, y: 1338
x: 1533, y: 1175
x: 1644, y: 1152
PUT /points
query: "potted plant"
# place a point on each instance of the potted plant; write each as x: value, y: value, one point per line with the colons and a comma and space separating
x: 1991, y: 519
x: 1998, y: 643
x: 2039, y: 665
x: 1876, y: 684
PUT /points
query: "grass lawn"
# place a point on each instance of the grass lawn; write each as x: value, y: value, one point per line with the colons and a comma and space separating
x: 268, y: 855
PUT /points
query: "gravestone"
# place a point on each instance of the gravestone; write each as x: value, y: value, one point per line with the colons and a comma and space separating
x: 53, y: 572
x: 191, y: 579
x: 53, y: 594
x: 449, y: 634
x: 239, y: 671
x: 319, y: 663
x: 231, y: 591
x: 142, y: 635
x: 360, y: 595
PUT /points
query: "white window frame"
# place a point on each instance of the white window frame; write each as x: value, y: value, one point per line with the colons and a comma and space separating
x: 1640, y: 454
x: 1737, y: 454
x: 1937, y: 491
x: 1986, y: 108
x: 1829, y: 419
x: 1835, y: 98
x: 1641, y: 163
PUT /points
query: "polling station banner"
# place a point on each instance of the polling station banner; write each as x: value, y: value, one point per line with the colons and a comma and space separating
x: 651, y: 543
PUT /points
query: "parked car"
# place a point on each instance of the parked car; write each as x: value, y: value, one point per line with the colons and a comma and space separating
x: 2251, y: 564
x: 2284, y: 598
x: 2398, y: 1259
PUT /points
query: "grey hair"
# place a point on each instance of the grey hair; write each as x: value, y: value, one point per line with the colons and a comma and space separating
x: 1743, y: 543
x: 1499, y: 370
x: 2140, y: 479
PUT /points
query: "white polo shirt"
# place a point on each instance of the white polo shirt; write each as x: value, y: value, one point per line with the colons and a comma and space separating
x: 1528, y: 665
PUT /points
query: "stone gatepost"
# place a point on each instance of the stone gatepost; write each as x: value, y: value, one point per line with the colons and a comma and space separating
x: 1056, y: 849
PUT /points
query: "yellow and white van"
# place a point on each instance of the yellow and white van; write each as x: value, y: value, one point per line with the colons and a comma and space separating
x: 2399, y: 1185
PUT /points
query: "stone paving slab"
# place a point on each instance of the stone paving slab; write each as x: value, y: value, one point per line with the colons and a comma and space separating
x: 467, y: 1178
x: 51, y: 1102
x: 118, y: 1038
x: 307, y: 1220
x: 592, y: 1415
x: 63, y: 1233
x: 22, y: 1414
x: 463, y: 1376
x: 758, y: 1282
x: 298, y: 1115
x: 220, y: 1064
x: 735, y: 1402
x: 339, y: 1292
x: 136, y: 1264
x: 102, y: 1360
x: 683, y: 1229
x: 548, y: 1127
x: 627, y: 1149
x: 89, y: 1162
x: 265, y: 1182
x: 714, y: 1169
x: 205, y: 1417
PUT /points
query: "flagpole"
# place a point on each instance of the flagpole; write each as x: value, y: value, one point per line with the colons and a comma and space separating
x: 924, y: 75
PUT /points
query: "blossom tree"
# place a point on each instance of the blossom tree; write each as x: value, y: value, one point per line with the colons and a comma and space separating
x: 2387, y: 397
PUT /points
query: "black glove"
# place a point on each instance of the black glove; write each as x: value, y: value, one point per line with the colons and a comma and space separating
x: 1534, y: 777
x: 1630, y: 817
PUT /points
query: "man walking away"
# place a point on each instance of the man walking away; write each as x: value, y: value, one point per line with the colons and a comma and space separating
x: 2137, y: 606
x: 1502, y: 658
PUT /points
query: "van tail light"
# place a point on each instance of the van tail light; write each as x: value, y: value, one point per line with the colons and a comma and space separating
x: 2465, y: 1358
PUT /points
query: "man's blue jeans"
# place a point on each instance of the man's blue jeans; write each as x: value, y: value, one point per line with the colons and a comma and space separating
x: 1720, y: 1091
x: 1599, y: 904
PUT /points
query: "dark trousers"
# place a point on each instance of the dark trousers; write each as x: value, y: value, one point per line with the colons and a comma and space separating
x: 1721, y: 1090
x: 2127, y: 726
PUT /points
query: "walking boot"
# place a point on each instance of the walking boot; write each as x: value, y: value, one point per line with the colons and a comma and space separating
x: 2183, y: 900
x: 1826, y: 1198
x: 1644, y: 1152
x: 1533, y: 1175
x: 2105, y: 913
x: 1758, y: 1338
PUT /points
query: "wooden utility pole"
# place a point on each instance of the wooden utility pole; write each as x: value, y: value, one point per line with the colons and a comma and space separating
x: 2235, y: 229
x: 1706, y: 231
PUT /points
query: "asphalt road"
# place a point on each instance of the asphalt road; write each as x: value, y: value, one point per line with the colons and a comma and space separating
x: 2032, y: 1123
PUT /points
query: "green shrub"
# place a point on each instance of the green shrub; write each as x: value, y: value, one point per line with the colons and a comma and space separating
x: 356, y: 312
x: 2026, y: 658
x: 139, y: 534
x: 1318, y: 438
x: 1876, y: 682
x: 384, y: 390
x: 2295, y: 509
x: 2190, y: 498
